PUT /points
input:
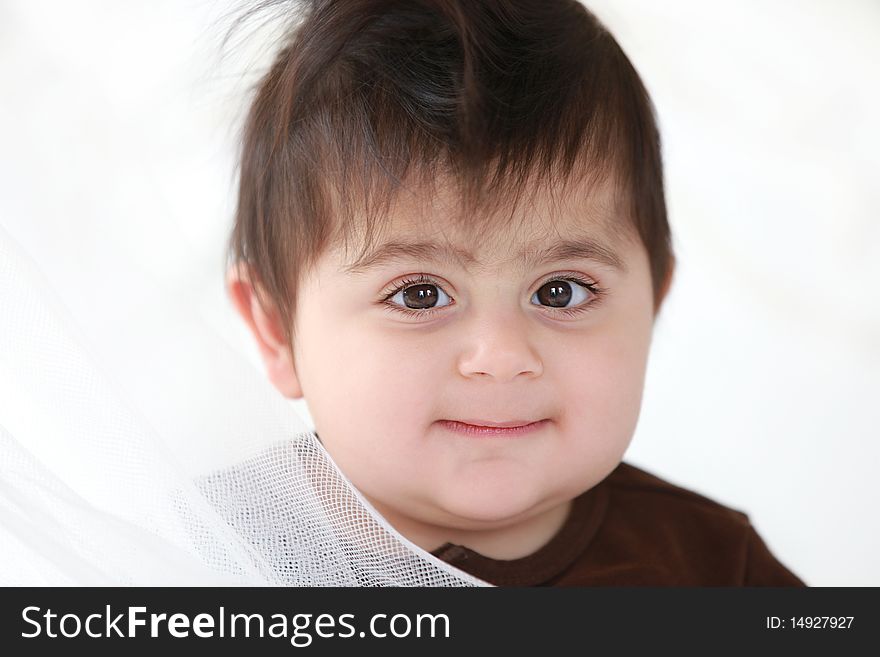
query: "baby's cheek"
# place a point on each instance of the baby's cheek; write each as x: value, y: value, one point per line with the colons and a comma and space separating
x: 404, y: 376
x: 603, y: 393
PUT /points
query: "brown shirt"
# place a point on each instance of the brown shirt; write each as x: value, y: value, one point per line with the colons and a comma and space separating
x: 635, y: 529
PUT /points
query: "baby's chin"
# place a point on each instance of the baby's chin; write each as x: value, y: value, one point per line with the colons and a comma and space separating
x: 494, y: 504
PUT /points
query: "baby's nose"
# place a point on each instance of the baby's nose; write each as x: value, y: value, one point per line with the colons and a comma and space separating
x: 499, y: 347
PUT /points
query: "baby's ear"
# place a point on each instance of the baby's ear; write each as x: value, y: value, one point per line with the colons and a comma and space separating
x: 667, y: 283
x: 266, y: 326
x: 669, y: 275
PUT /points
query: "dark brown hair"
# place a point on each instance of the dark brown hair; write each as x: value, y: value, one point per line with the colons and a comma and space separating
x: 497, y: 97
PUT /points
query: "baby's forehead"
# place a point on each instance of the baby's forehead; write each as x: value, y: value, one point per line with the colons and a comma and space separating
x: 425, y: 227
x: 544, y: 229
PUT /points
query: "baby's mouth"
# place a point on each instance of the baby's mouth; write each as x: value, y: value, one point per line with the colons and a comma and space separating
x: 479, y: 427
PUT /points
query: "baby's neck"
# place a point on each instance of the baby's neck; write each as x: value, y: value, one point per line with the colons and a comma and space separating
x: 511, y: 542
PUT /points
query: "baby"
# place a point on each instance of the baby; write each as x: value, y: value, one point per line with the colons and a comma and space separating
x: 452, y: 241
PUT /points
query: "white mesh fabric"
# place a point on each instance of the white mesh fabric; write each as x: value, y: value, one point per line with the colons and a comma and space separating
x: 92, y: 493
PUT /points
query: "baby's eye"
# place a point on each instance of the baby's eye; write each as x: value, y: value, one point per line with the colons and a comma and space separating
x: 418, y: 295
x: 557, y: 293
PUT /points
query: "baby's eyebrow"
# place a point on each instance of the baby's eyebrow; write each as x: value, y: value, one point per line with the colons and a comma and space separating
x: 582, y: 248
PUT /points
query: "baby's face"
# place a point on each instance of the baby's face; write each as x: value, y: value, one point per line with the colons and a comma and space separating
x: 387, y: 356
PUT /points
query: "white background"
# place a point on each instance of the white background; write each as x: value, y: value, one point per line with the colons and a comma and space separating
x: 117, y: 143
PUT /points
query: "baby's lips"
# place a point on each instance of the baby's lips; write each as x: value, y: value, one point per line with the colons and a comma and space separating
x: 507, y: 424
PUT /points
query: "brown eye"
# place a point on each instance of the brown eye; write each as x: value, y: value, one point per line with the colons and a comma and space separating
x: 560, y: 293
x: 419, y: 297
x: 556, y: 294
